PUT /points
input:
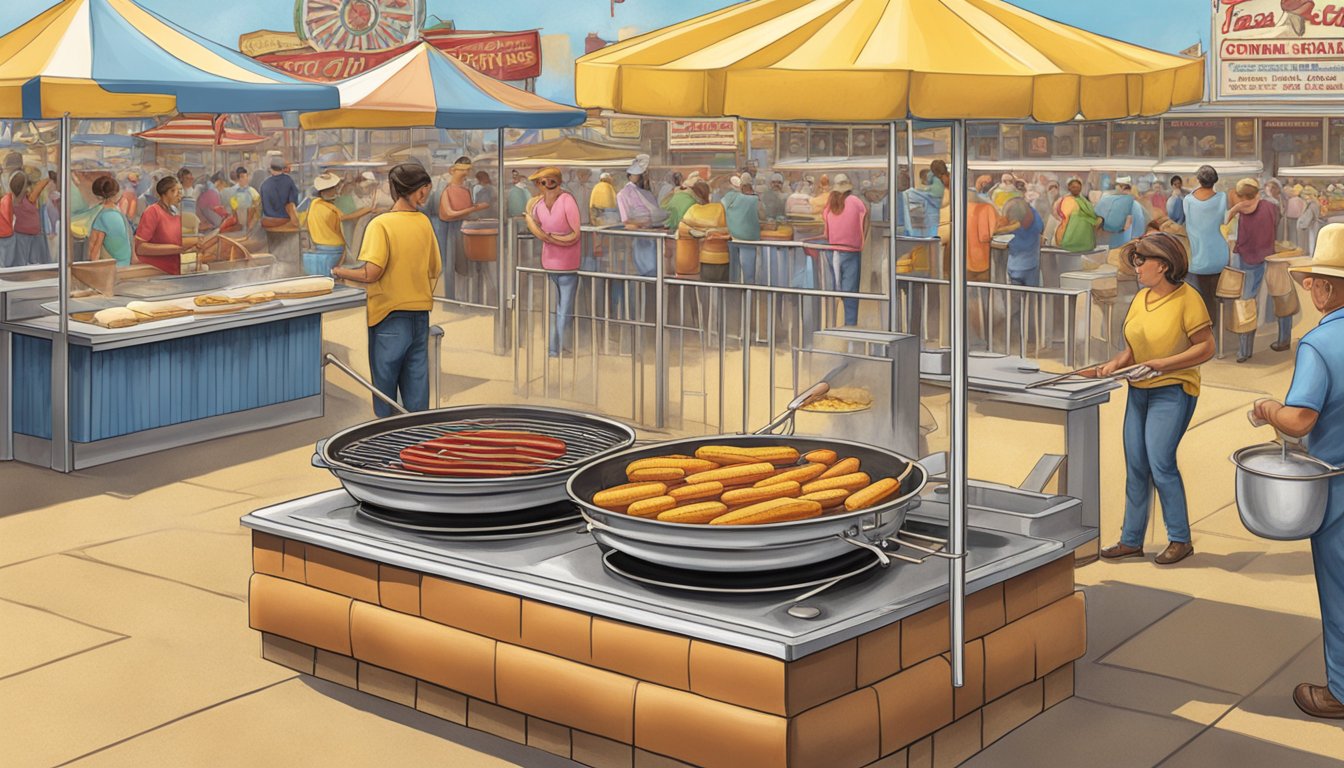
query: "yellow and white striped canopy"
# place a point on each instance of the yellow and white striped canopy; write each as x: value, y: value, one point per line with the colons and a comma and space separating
x: 880, y: 60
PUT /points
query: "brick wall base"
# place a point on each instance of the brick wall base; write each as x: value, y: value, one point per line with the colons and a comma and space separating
x: 610, y: 695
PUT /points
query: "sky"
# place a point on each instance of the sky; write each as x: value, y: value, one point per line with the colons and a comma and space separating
x: 1168, y: 25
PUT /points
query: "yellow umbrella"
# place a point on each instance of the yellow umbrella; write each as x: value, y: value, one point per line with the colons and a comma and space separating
x: 892, y: 60
x: 860, y: 60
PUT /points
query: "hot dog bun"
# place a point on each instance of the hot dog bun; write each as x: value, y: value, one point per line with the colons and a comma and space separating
x: 873, y: 494
x: 851, y: 482
x: 755, y: 494
x: 701, y: 512
x: 619, y: 497
x: 735, y: 474
x: 841, y: 467
x: 773, y: 511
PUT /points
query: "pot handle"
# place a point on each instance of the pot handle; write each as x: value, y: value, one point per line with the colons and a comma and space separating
x: 317, y: 460
x: 882, y: 556
x: 1334, y: 471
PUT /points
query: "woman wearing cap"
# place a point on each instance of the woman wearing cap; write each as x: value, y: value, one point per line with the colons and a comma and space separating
x: 158, y: 238
x: 846, y: 228
x: 1314, y: 409
x: 399, y: 260
x: 324, y: 219
x: 707, y: 222
x: 455, y: 206
x: 553, y: 218
x: 110, y: 232
x: 29, y: 244
x: 1257, y: 220
x: 1205, y: 214
x: 639, y: 209
x: 1168, y: 330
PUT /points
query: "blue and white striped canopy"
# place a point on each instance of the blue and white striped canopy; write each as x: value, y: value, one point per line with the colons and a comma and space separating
x: 113, y: 58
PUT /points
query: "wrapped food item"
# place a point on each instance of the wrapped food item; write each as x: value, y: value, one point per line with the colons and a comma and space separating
x: 115, y: 317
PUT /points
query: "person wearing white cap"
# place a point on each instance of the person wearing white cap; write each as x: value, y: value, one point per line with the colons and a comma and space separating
x: 639, y: 209
x: 1122, y: 217
x: 846, y: 220
x: 1314, y: 409
x: 325, y: 234
x: 742, y: 209
x: 773, y: 198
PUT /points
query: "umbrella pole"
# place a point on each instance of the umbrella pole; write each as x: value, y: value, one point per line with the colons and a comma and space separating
x: 893, y: 247
x: 957, y: 410
x: 501, y: 242
x: 62, y: 458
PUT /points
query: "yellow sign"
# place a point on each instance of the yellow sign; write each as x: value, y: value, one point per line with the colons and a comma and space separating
x: 623, y: 127
x: 265, y: 41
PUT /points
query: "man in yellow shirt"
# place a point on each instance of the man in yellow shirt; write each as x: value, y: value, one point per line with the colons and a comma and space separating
x: 325, y: 234
x: 399, y: 259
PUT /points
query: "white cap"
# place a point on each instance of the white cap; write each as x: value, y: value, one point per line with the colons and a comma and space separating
x: 326, y: 181
x: 368, y: 176
x: 1124, y: 181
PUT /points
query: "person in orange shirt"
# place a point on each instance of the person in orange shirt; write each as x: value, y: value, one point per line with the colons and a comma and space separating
x: 981, y: 221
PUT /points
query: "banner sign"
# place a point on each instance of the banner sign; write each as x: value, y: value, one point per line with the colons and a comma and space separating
x: 710, y: 135
x: 501, y: 55
x: 1278, y: 49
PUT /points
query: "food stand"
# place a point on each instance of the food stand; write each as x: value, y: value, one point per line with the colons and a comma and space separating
x: 174, y: 71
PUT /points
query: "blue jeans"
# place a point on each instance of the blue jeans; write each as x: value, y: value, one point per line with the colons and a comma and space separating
x: 450, y: 247
x: 566, y: 285
x: 847, y: 280
x: 399, y: 360
x: 1155, y: 422
x: 1255, y: 277
x: 1326, y: 544
x: 742, y: 259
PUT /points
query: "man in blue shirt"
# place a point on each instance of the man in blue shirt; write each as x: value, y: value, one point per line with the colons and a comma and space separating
x: 1314, y: 408
x: 742, y: 209
x: 280, y: 217
x: 1176, y: 202
x: 1122, y: 218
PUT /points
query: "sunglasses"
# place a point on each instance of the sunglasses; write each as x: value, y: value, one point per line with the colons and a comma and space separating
x: 549, y: 183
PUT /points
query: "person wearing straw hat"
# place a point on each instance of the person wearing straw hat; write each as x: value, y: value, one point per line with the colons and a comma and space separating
x: 325, y: 232
x: 1314, y: 409
x: 1257, y: 220
x: 553, y: 218
x: 454, y: 206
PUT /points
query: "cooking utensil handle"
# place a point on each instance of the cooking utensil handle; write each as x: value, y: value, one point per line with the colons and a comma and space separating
x: 318, y: 461
x: 881, y: 553
x: 927, y: 551
x: 791, y: 410
x: 330, y: 359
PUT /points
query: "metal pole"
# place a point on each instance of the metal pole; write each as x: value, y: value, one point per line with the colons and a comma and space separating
x: 893, y: 200
x: 501, y: 313
x: 436, y: 369
x: 659, y: 332
x: 62, y: 453
x: 957, y: 409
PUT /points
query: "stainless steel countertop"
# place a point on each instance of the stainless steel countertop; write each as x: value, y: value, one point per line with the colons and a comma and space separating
x: 342, y: 297
x: 565, y: 569
x: 1002, y: 378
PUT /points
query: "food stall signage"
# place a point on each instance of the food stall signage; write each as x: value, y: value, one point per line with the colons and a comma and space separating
x: 501, y: 55
x: 330, y: 65
x: 1314, y: 125
x: 1278, y: 49
x: 702, y: 135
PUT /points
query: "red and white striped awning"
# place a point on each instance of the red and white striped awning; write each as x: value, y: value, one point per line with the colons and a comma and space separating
x: 200, y: 130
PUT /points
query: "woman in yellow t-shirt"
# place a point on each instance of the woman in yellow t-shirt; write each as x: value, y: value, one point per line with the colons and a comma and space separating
x: 325, y: 234
x: 399, y: 259
x: 1168, y: 330
x: 708, y: 222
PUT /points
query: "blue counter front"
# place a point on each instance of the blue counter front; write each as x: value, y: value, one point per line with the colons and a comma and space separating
x: 116, y: 392
x: 160, y: 386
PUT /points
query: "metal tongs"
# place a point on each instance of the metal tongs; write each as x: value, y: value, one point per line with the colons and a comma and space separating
x: 1132, y: 373
x: 786, y: 419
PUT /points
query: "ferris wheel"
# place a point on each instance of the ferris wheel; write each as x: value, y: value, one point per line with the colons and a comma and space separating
x: 358, y: 25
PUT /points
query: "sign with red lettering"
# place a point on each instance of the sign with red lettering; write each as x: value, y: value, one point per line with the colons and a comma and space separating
x: 329, y: 65
x: 501, y: 55
x: 705, y: 135
x: 1278, y: 49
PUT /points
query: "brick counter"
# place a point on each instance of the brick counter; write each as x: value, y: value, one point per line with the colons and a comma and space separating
x: 605, y: 693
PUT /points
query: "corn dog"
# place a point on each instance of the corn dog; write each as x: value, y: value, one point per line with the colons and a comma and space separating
x: 696, y: 492
x: 619, y: 497
x: 874, y: 494
x: 701, y: 512
x: 850, y: 482
x: 651, y: 507
x: 841, y: 467
x: 733, y: 454
x: 686, y: 464
x: 755, y: 495
x: 803, y: 474
x: 773, y: 511
x: 827, y: 499
x: 821, y: 456
x: 735, y: 474
x: 654, y: 474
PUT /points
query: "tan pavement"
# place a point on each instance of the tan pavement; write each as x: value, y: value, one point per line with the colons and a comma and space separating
x: 124, y: 639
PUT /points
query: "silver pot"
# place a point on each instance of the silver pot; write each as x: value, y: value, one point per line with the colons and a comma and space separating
x: 747, y: 547
x: 1282, y: 495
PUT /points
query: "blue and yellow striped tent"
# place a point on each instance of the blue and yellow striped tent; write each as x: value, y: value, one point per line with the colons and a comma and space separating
x: 113, y: 58
x: 424, y: 87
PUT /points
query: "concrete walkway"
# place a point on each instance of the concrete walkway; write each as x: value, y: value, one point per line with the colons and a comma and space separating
x: 124, y: 639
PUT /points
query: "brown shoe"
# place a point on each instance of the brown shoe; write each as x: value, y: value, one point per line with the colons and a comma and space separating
x: 1118, y: 551
x: 1317, y: 701
x: 1175, y: 552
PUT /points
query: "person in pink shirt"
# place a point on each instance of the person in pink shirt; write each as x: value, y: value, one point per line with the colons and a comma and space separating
x: 846, y: 220
x: 30, y: 245
x: 553, y: 217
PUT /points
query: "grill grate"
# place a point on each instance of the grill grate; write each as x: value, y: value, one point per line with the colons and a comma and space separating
x: 383, y: 450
